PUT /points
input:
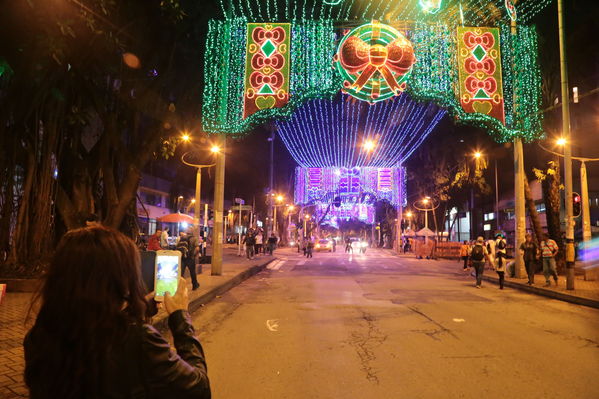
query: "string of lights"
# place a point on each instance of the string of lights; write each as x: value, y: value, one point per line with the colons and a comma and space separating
x: 349, y: 133
x: 468, y: 12
x: 434, y: 75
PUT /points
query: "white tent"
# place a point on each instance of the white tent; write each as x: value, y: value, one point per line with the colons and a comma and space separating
x: 426, y: 232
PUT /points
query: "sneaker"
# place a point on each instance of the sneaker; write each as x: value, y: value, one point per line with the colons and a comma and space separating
x: 195, y: 287
x: 556, y: 282
x: 547, y: 284
x: 478, y: 286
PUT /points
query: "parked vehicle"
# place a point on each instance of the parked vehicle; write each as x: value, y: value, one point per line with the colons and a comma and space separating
x: 323, y: 245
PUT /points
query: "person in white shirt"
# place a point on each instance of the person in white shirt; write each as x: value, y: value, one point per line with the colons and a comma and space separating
x: 164, y: 239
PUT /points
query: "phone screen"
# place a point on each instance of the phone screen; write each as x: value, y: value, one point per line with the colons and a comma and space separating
x: 167, y: 274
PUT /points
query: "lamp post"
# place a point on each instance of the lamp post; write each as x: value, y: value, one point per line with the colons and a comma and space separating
x: 567, y: 148
x: 278, y: 199
x: 219, y: 199
x: 198, y: 198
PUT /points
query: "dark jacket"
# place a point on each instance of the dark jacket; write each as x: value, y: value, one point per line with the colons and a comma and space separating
x: 142, y: 366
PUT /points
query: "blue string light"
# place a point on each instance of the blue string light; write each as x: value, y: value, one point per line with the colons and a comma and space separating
x: 325, y: 133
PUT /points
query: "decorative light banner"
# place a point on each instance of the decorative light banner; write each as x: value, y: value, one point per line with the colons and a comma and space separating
x: 266, y: 67
x: 353, y: 185
x: 374, y: 61
x: 479, y: 61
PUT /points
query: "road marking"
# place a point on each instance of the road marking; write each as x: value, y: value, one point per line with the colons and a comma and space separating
x: 278, y: 265
x: 272, y: 325
x: 302, y: 262
x: 272, y: 265
x: 459, y: 320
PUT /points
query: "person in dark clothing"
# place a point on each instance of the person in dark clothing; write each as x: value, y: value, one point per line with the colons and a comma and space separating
x: 184, y: 245
x: 309, y: 248
x: 272, y: 243
x: 348, y: 247
x: 250, y: 242
x: 92, y: 338
x: 530, y: 252
x: 478, y: 254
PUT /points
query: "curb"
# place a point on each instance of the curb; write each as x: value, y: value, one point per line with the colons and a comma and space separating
x: 560, y: 296
x: 195, y: 304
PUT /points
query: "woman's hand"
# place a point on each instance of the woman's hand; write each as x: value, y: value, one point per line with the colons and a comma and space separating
x: 179, y: 301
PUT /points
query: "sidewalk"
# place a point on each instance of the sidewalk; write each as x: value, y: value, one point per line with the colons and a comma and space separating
x: 586, y: 293
x: 13, y: 311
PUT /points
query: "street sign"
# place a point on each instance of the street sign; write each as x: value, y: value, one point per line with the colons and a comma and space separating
x: 242, y: 207
x: 239, y: 201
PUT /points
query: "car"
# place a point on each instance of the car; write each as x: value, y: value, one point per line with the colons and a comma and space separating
x: 323, y: 245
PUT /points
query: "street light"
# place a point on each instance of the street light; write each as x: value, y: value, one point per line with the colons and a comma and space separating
x: 279, y: 198
x: 185, y: 137
x: 215, y: 149
x: 369, y: 145
x: 561, y: 141
x: 477, y: 155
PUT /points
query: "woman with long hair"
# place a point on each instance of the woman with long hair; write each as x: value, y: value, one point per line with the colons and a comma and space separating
x: 91, y: 337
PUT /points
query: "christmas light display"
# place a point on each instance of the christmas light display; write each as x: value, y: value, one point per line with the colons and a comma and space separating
x: 476, y: 12
x: 479, y: 59
x: 434, y: 76
x: 511, y: 10
x: 324, y: 133
x: 266, y: 67
x: 358, y: 189
x: 375, y: 61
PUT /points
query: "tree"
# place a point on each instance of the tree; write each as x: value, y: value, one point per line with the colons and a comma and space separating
x: 93, y: 94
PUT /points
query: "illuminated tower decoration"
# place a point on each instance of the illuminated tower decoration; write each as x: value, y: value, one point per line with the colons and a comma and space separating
x: 479, y: 60
x: 511, y: 10
x: 375, y: 61
x: 266, y: 67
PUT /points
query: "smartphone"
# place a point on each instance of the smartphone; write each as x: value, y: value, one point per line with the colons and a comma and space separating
x: 166, y: 273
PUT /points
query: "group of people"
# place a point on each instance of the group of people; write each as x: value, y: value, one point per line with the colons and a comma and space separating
x: 254, y: 240
x: 494, y: 252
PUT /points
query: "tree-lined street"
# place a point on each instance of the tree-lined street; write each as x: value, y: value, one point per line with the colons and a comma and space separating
x: 382, y: 326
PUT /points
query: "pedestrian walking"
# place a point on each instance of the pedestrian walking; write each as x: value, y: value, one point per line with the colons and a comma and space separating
x: 309, y: 248
x: 249, y: 241
x: 549, y: 249
x: 272, y: 243
x: 464, y: 249
x: 348, y: 247
x: 187, y: 259
x: 478, y: 255
x: 92, y: 337
x: 530, y: 253
x: 259, y: 242
x: 334, y: 244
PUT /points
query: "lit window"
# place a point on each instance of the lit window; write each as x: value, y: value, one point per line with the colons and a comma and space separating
x: 489, y: 216
x: 487, y: 227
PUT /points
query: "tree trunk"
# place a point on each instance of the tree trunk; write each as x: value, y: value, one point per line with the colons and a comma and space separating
x: 551, y: 194
x: 532, y: 212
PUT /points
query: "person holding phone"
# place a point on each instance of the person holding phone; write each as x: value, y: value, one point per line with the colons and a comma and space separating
x: 92, y: 337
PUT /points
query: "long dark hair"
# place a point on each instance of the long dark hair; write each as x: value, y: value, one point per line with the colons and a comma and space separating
x: 91, y: 295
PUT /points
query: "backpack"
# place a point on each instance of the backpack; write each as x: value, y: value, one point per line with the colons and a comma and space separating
x: 501, y: 244
x: 183, y: 247
x: 477, y: 254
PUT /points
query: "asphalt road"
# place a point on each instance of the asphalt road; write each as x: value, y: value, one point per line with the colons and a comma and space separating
x: 381, y: 326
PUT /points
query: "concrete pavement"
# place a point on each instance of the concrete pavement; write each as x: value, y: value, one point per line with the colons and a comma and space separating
x: 381, y: 326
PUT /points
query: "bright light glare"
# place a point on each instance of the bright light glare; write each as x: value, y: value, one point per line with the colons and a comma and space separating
x: 477, y: 155
x: 409, y: 214
x: 279, y: 198
x: 561, y: 141
x: 369, y: 145
x: 291, y: 207
x: 215, y: 149
x: 193, y: 200
x: 184, y: 225
x: 185, y: 137
x: 425, y: 201
x: 307, y: 216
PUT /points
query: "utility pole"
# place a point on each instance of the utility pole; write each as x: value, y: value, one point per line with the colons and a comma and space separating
x: 519, y: 199
x: 586, y: 211
x: 219, y: 199
x: 567, y: 148
x: 271, y: 182
x: 498, y: 223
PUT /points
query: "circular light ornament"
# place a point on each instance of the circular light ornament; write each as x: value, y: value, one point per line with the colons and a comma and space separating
x: 375, y: 61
